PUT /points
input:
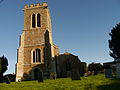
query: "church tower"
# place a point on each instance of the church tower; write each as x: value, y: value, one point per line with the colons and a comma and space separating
x: 36, y: 45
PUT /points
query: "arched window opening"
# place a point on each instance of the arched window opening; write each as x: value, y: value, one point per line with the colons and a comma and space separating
x: 33, y: 56
x: 38, y: 20
x: 36, y: 55
x: 33, y: 21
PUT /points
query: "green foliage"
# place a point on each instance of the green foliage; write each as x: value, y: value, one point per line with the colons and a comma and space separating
x: 91, y: 67
x: 95, y: 67
x: 114, y: 43
x: 98, y: 82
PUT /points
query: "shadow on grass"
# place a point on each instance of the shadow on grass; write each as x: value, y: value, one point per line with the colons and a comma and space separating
x: 114, y: 85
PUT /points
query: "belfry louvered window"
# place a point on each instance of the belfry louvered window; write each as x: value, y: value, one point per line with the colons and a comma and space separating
x: 38, y: 20
x: 33, y: 21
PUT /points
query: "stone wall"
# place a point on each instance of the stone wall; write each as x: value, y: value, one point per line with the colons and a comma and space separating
x: 67, y: 63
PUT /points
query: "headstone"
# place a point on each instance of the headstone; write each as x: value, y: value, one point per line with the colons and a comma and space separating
x: 95, y: 72
x: 53, y: 75
x: 108, y: 73
x: 7, y: 80
x: 52, y: 69
x: 40, y: 77
x: 118, y: 70
x: 89, y: 73
x: 75, y: 74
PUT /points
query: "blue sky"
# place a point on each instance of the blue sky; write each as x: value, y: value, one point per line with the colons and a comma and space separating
x: 79, y: 26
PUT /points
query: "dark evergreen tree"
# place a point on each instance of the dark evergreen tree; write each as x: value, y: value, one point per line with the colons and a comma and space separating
x: 3, y: 66
x: 114, y: 43
x: 96, y: 67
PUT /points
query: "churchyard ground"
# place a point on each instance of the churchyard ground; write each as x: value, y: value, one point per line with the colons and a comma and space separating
x: 98, y: 82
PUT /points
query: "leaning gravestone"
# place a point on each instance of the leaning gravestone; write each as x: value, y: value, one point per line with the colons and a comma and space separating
x: 118, y: 70
x: 7, y: 80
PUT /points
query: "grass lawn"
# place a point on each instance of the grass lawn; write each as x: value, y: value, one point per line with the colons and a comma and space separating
x: 98, y: 82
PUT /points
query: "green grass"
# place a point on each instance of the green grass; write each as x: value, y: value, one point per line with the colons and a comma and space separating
x: 98, y: 82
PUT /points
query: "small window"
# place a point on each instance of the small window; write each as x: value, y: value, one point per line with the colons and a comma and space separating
x: 38, y: 20
x: 33, y: 21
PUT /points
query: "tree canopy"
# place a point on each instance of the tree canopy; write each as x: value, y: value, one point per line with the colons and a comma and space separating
x: 96, y: 67
x: 3, y: 67
x: 114, y: 43
x: 3, y: 64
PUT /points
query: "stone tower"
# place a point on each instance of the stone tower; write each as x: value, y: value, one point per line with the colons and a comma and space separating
x: 36, y: 45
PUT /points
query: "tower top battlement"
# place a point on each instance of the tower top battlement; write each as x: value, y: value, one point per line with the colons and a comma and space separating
x: 44, y: 4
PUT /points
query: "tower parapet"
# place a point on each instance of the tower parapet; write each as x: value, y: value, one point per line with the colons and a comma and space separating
x: 36, y: 5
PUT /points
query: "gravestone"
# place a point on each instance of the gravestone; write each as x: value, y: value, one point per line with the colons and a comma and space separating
x: 108, y: 73
x: 7, y: 80
x: 118, y: 70
x: 40, y: 76
x: 53, y: 75
x: 52, y: 69
x: 75, y: 74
